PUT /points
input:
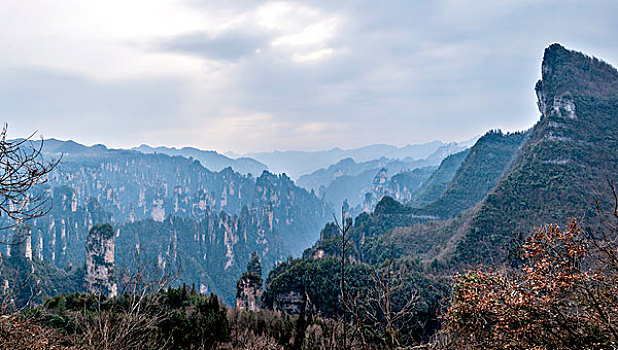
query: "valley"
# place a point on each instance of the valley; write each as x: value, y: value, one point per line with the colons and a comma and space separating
x: 368, y: 239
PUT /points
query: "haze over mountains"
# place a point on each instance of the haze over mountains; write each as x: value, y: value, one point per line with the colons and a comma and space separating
x: 200, y: 209
x: 174, y: 211
x: 210, y: 159
x: 425, y: 211
x: 298, y: 163
x: 208, y: 212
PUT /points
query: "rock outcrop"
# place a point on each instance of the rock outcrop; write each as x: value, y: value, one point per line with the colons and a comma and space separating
x: 562, y: 168
x: 249, y: 287
x: 100, y: 260
x: 174, y: 211
x: 21, y: 243
x: 292, y: 302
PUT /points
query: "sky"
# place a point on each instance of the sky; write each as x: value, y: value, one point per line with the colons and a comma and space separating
x: 248, y: 76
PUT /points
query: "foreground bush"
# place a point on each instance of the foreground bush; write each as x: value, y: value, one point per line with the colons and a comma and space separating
x: 21, y: 333
x: 565, y: 296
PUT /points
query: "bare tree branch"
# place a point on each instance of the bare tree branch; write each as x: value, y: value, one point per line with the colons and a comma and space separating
x: 22, y: 168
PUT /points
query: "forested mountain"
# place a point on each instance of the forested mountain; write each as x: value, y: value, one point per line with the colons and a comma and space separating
x: 564, y: 166
x: 382, y: 278
x: 506, y: 184
x: 435, y: 185
x: 557, y: 170
x: 211, y: 160
x: 487, y: 160
x: 173, y: 210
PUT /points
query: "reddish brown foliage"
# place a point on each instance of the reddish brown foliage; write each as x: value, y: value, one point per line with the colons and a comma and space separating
x: 565, y: 296
x: 18, y: 333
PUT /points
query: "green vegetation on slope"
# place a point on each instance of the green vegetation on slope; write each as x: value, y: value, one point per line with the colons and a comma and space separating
x: 431, y: 189
x: 486, y: 162
x: 565, y: 164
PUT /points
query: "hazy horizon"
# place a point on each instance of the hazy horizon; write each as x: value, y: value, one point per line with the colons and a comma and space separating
x: 257, y: 76
x: 233, y: 154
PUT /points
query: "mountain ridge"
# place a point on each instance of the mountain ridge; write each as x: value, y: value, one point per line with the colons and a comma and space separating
x: 562, y: 167
x: 212, y: 160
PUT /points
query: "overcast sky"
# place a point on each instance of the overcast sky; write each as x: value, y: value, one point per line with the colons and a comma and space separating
x: 242, y: 75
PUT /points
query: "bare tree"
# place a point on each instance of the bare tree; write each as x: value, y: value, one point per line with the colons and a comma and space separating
x: 384, y: 312
x: 346, y: 243
x: 384, y: 306
x: 22, y: 167
x: 134, y: 323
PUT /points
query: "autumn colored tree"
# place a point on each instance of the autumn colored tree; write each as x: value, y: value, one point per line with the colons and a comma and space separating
x: 565, y: 296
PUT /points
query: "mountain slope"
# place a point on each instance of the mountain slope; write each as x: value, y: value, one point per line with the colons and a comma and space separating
x: 431, y: 189
x: 485, y: 163
x: 571, y: 154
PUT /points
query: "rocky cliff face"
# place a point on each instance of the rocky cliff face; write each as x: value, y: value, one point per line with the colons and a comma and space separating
x: 28, y: 278
x: 175, y: 211
x: 211, y: 251
x: 100, y: 261
x: 60, y: 236
x: 401, y: 186
x: 291, y: 303
x: 249, y: 287
x: 20, y: 246
x: 133, y: 186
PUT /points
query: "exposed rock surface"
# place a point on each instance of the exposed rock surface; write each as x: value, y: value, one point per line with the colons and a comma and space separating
x: 100, y: 261
x: 249, y: 287
x: 21, y: 243
x: 292, y: 302
x: 174, y: 211
x: 563, y: 166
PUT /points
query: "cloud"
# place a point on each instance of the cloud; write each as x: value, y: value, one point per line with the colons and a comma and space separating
x: 232, y: 45
x: 253, y: 75
x: 62, y: 104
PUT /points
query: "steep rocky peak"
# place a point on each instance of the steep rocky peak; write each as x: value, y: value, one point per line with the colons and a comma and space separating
x: 266, y: 178
x: 21, y: 243
x: 254, y: 266
x: 100, y: 260
x: 567, y: 73
x: 249, y: 287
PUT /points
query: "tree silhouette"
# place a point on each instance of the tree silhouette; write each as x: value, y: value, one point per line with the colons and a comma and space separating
x: 22, y: 167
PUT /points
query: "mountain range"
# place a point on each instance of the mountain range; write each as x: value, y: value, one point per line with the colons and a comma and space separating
x: 211, y: 160
x: 298, y: 163
x: 480, y: 204
x: 437, y: 206
x: 173, y: 211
